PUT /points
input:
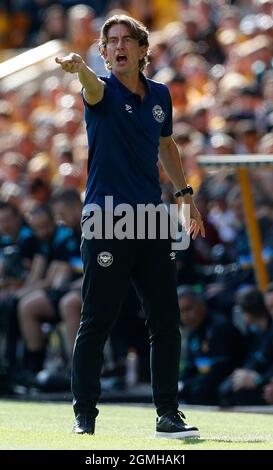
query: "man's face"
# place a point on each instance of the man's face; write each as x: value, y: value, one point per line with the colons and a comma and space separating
x: 67, y: 215
x: 191, y: 312
x: 122, y: 51
x: 9, y: 223
x: 42, y: 226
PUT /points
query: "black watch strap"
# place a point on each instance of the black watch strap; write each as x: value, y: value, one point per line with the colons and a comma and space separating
x: 187, y: 190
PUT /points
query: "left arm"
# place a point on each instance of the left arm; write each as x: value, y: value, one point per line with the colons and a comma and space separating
x: 171, y: 161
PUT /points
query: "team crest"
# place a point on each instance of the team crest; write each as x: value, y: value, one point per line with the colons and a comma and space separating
x: 105, y: 259
x: 158, y: 113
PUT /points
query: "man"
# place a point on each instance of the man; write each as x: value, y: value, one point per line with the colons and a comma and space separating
x: 58, y: 247
x: 268, y: 298
x: 245, y: 385
x: 67, y: 207
x: 21, y: 266
x: 128, y: 117
x: 17, y: 262
x: 212, y: 352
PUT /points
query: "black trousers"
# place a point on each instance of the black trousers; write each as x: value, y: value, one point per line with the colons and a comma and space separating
x: 148, y: 264
x: 243, y: 397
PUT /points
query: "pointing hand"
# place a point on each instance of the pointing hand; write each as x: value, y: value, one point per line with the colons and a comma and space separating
x: 72, y: 63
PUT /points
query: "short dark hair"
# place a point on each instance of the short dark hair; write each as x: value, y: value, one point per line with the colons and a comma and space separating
x: 42, y: 209
x: 69, y: 196
x: 251, y: 301
x: 7, y: 205
x: 137, y: 30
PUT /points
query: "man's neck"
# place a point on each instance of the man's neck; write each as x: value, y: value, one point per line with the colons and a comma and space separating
x: 132, y: 82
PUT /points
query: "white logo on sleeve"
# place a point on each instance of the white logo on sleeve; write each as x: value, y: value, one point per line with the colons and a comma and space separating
x: 172, y: 255
x: 158, y: 113
x: 128, y: 108
x: 105, y: 259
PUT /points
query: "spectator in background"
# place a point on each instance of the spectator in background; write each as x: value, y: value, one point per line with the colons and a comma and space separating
x: 6, y: 111
x: 21, y: 267
x: 222, y: 144
x: 67, y: 209
x: 54, y: 24
x: 58, y: 247
x: 213, y: 349
x: 61, y: 303
x: 178, y: 89
x: 248, y: 388
x: 14, y: 233
x: 245, y: 385
x: 225, y: 213
x: 81, y: 28
x: 248, y: 137
x: 14, y: 165
x: 268, y: 298
x: 199, y: 119
x: 264, y: 6
x: 61, y: 150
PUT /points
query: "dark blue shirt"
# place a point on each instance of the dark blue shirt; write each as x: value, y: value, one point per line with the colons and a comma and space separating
x: 16, y: 255
x: 213, y: 349
x: 63, y: 246
x: 25, y: 240
x: 123, y: 137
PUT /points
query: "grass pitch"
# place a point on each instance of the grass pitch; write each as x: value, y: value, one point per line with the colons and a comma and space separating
x: 48, y: 426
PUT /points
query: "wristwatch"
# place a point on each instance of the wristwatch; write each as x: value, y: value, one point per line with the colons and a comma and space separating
x: 187, y: 190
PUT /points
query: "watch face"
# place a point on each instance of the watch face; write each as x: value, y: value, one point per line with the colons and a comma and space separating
x: 187, y: 190
x: 182, y: 192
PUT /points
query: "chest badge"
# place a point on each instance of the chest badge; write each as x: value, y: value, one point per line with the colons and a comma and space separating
x: 158, y: 113
x: 128, y: 108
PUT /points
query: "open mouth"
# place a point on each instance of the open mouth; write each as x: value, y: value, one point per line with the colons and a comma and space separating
x: 121, y: 59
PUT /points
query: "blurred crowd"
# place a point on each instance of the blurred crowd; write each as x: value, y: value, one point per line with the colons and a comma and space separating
x: 216, y: 58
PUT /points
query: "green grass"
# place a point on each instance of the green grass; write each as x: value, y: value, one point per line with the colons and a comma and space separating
x: 48, y: 426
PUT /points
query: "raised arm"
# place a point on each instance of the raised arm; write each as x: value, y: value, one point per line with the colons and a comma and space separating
x: 93, y: 87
